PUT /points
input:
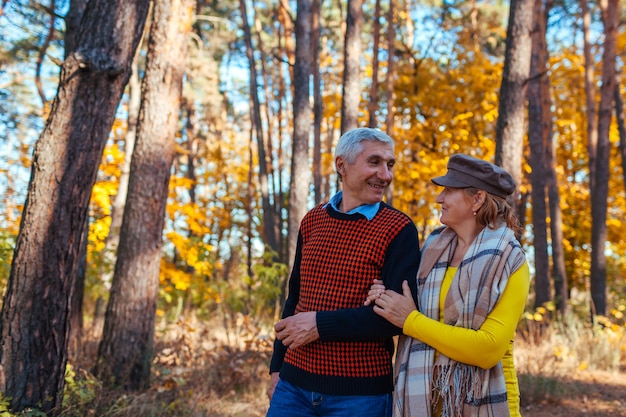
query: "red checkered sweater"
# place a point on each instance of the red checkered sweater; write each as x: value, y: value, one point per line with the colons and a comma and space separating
x: 337, y: 257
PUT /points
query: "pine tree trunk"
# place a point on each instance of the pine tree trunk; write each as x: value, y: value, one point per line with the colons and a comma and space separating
x: 391, y: 65
x: 621, y: 128
x: 66, y: 158
x: 610, y: 15
x: 351, y: 68
x: 126, y: 350
x: 511, y: 109
x: 317, y: 102
x: 538, y: 138
x: 269, y: 235
x: 590, y: 95
x: 300, y: 169
x: 372, y: 106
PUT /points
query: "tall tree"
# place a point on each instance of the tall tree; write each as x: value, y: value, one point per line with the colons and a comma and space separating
x: 317, y: 101
x: 119, y: 202
x: 351, y: 69
x: 373, y: 103
x: 269, y: 228
x: 389, y: 83
x: 539, y: 132
x: 391, y: 52
x: 66, y: 158
x: 72, y: 21
x: 543, y: 176
x: 126, y: 351
x: 511, y: 108
x: 610, y: 15
x: 590, y: 94
x: 621, y: 128
x: 299, y: 184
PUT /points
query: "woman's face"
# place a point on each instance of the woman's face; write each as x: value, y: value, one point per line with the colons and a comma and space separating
x: 457, y: 207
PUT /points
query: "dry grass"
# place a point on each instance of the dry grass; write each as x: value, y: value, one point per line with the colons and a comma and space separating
x: 200, y: 370
x: 213, y: 370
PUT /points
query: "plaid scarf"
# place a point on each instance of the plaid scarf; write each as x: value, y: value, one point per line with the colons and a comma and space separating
x: 454, y: 388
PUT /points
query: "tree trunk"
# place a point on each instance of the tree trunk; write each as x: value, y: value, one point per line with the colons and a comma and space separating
x: 299, y: 184
x: 317, y: 102
x: 75, y: 339
x: 65, y: 163
x: 72, y: 22
x: 389, y: 84
x: 610, y: 15
x: 590, y: 96
x: 391, y: 65
x: 272, y: 189
x: 269, y: 235
x: 126, y: 350
x: 619, y: 112
x: 510, y: 125
x: 373, y: 103
x: 286, y: 21
x: 539, y: 132
x: 351, y: 68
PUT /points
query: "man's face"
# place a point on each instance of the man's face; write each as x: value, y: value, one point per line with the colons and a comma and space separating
x: 365, y: 181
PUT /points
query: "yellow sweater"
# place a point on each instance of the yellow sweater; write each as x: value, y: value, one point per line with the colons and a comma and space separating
x: 484, y: 347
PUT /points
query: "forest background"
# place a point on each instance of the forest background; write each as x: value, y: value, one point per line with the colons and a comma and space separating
x: 154, y: 166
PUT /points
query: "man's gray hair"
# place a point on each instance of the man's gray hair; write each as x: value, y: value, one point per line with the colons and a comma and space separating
x: 350, y: 143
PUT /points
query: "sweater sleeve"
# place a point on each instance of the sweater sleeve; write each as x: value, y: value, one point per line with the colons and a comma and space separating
x: 486, y: 346
x: 289, y: 308
x: 361, y: 323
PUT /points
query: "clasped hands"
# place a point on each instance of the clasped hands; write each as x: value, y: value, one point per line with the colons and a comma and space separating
x: 300, y: 329
x: 394, y: 307
x: 297, y: 330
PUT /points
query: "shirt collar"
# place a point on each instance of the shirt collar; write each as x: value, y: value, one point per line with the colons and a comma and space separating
x: 367, y: 210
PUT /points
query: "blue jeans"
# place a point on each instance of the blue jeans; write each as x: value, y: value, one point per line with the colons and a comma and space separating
x: 291, y: 401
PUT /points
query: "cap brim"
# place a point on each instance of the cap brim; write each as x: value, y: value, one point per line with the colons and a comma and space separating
x: 446, y: 181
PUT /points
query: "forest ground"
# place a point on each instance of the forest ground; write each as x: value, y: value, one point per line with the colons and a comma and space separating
x: 201, y: 372
x: 588, y: 394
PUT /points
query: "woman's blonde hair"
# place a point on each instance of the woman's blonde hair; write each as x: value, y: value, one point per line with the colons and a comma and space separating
x: 495, y: 208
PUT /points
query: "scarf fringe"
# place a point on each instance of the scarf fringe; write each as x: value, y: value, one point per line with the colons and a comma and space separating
x: 455, y: 385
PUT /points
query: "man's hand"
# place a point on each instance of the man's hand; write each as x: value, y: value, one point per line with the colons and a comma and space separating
x: 298, y: 330
x: 274, y: 377
x: 376, y: 290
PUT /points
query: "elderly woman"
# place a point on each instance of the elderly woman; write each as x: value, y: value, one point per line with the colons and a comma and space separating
x: 456, y: 355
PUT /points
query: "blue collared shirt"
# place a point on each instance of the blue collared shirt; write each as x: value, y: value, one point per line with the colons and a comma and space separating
x: 368, y: 210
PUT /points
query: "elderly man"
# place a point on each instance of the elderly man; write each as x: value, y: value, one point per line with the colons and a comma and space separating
x: 332, y: 354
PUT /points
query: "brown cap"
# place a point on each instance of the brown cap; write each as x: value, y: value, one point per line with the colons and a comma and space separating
x: 466, y: 171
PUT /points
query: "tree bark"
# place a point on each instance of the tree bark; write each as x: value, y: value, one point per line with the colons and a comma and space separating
x: 373, y: 103
x: 269, y: 235
x: 72, y: 24
x: 590, y: 95
x: 112, y: 240
x: 351, y: 68
x: 621, y: 128
x: 610, y: 16
x: 126, y: 351
x: 510, y: 124
x: 299, y: 184
x: 539, y: 132
x: 65, y: 163
x: 391, y: 66
x: 317, y: 101
x: 389, y: 83
x: 72, y: 21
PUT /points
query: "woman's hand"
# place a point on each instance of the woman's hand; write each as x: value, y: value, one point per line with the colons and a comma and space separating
x: 375, y: 291
x: 395, y: 307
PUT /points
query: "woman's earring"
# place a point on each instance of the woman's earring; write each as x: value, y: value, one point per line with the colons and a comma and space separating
x: 474, y: 213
